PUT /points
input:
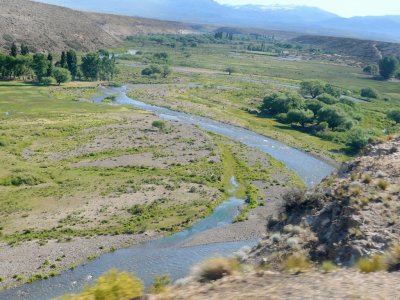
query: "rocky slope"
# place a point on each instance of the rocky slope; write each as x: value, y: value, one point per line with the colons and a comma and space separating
x: 353, y: 214
x: 46, y: 27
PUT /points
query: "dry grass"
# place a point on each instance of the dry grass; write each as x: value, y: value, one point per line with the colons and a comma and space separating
x: 297, y: 263
x: 216, y: 268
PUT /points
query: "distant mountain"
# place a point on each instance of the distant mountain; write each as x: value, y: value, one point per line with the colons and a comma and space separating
x: 290, y: 18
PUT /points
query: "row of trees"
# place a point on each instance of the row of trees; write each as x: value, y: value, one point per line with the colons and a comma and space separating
x: 92, y: 66
x: 388, y: 67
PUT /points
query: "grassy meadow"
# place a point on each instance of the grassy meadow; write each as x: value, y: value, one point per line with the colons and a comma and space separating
x: 233, y: 98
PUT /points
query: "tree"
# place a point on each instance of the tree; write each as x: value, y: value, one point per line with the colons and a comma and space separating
x: 166, y: 71
x: 358, y: 140
x: 281, y: 103
x: 394, y: 115
x: 314, y: 105
x: 47, y: 81
x: 50, y: 67
x: 300, y: 116
x: 230, y: 70
x: 40, y: 65
x: 388, y: 66
x: 327, y: 99
x: 13, y: 50
x: 371, y: 70
x: 61, y: 75
x: 63, y: 60
x: 335, y: 117
x: 369, y: 93
x: 107, y: 67
x: 312, y: 88
x: 24, y: 49
x: 72, y: 63
x: 91, y: 66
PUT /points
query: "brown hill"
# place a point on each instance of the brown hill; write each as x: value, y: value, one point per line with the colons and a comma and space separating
x: 365, y: 50
x: 46, y: 27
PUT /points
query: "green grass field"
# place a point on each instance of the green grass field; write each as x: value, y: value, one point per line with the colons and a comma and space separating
x: 230, y: 98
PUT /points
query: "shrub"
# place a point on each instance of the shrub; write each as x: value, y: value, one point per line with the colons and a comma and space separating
x: 394, y: 115
x: 367, y: 179
x: 312, y: 88
x: 160, y: 283
x: 47, y: 81
x: 159, y: 124
x: 388, y: 67
x: 358, y: 139
x: 327, y: 99
x: 297, y: 263
x: 328, y: 266
x: 383, y: 184
x: 300, y: 116
x: 61, y: 75
x: 109, y: 99
x: 216, y: 268
x: 369, y: 93
x: 374, y: 264
x: 281, y: 103
x: 335, y: 117
x: 294, y: 198
x: 392, y: 259
x: 111, y: 286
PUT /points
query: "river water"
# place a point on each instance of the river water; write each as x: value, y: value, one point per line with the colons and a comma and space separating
x: 167, y: 255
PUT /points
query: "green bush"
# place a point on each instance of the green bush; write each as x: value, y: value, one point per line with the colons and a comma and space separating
x: 47, y: 81
x: 159, y: 124
x: 327, y: 99
x: 394, y: 115
x: 278, y: 103
x: 300, y: 116
x: 369, y: 93
x: 160, y: 283
x: 358, y: 139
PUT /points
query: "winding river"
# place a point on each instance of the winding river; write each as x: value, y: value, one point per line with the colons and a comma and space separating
x: 167, y: 255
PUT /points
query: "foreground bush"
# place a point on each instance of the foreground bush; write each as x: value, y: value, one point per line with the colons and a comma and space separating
x: 297, y: 263
x: 216, y: 268
x: 113, y: 285
x: 374, y: 264
x: 392, y: 259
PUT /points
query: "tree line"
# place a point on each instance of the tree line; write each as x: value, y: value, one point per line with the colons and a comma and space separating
x: 322, y: 110
x: 20, y: 64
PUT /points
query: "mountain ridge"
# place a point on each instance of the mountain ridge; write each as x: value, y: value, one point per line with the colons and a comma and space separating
x: 302, y: 19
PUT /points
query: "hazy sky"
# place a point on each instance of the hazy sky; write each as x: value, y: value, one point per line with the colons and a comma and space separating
x: 345, y: 8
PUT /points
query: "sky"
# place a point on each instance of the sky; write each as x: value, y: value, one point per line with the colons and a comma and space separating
x: 344, y: 8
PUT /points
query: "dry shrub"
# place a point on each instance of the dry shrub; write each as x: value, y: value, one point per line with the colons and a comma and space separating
x: 383, y: 184
x: 392, y: 259
x: 297, y: 263
x: 374, y: 264
x: 328, y: 266
x: 216, y: 268
x: 113, y: 285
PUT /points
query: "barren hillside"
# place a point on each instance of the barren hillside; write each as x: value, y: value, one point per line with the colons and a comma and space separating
x: 366, y: 50
x: 46, y: 27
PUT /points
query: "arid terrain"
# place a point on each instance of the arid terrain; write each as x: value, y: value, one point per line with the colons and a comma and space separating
x: 46, y: 27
